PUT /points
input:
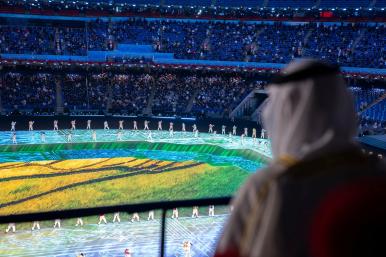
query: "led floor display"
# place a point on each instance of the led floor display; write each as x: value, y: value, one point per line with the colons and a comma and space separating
x: 52, y: 170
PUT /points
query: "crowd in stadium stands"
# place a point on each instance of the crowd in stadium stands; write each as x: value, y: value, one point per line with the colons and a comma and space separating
x: 372, y: 119
x: 131, y: 92
x: 353, y: 44
x: 171, y: 93
x: 26, y: 91
x: 164, y: 92
x: 258, y: 9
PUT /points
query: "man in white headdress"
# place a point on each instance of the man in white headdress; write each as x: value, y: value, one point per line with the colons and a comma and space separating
x: 311, y: 121
x: 234, y: 130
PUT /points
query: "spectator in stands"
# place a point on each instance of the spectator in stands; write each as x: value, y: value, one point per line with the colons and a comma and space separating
x: 311, y: 122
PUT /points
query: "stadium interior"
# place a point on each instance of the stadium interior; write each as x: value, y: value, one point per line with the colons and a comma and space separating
x: 127, y: 125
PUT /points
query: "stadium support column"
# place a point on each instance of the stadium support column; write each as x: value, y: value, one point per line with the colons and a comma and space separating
x: 59, y: 95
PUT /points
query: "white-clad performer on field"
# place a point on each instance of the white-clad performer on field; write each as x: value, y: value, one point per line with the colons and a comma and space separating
x: 211, y: 210
x: 195, y: 212
x: 151, y: 215
x: 135, y: 126
x: 246, y: 132
x: 175, y: 213
x: 254, y: 135
x: 69, y: 137
x: 196, y: 133
x: 35, y: 225
x: 242, y: 138
x: 194, y: 128
x: 223, y: 127
x: 186, y: 246
x: 102, y: 218
x: 94, y: 136
x: 262, y: 133
x: 13, y: 124
x: 150, y: 136
x: 234, y: 130
x: 56, y: 126
x: 43, y: 137
x: 11, y: 226
x: 171, y: 129
x: 14, y: 141
x: 88, y: 124
x: 210, y: 128
x: 159, y: 125
x: 79, y: 222
x: 183, y: 129
x: 119, y: 135
x: 57, y: 223
x: 106, y: 125
x: 31, y: 125
x: 146, y: 125
x: 116, y: 217
x: 73, y: 124
x: 120, y: 124
x: 135, y: 217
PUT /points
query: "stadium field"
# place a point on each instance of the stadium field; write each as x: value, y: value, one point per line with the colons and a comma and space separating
x: 58, y: 174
